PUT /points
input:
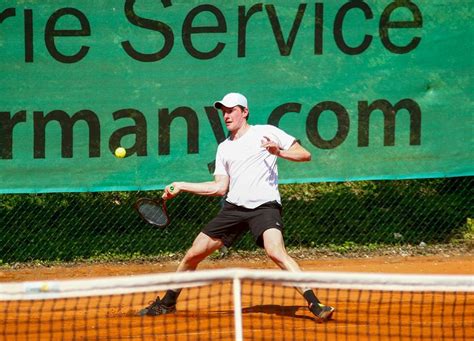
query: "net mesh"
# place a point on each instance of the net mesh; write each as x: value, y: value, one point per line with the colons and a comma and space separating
x: 339, y: 216
x: 237, y: 304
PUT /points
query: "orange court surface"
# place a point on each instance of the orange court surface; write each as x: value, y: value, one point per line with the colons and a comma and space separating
x: 206, y: 313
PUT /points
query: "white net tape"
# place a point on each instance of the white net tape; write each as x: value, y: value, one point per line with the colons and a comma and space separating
x: 158, y: 282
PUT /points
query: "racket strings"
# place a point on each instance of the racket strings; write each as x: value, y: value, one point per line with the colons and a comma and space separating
x: 153, y: 213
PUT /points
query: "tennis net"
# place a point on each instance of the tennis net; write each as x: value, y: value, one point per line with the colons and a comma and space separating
x: 241, y: 304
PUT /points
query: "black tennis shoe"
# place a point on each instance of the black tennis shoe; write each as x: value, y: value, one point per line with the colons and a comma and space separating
x: 157, y: 308
x: 322, y: 312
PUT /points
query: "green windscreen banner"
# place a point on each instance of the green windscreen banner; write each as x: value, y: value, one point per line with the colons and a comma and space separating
x: 373, y: 89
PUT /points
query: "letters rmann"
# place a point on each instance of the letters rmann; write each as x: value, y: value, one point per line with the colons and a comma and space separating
x: 139, y: 132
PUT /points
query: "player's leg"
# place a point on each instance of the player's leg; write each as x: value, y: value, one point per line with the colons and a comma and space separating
x: 274, y: 246
x: 202, y: 247
x: 275, y: 249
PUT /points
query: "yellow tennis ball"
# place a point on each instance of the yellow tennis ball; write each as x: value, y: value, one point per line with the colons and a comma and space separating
x: 120, y: 152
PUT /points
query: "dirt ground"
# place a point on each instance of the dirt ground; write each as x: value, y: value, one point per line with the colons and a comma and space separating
x: 263, y: 318
x: 431, y: 264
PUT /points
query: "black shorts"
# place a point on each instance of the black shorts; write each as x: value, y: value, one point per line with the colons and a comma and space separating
x: 233, y: 221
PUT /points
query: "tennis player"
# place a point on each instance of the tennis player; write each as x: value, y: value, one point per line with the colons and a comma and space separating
x: 246, y: 173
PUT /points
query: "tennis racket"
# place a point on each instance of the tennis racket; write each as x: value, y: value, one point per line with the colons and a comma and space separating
x: 153, y: 211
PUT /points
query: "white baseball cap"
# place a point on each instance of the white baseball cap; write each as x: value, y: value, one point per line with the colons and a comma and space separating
x: 231, y: 100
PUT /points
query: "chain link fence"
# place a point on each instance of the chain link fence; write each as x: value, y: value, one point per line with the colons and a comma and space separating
x: 83, y: 226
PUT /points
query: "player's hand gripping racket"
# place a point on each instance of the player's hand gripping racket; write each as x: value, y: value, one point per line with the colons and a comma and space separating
x: 153, y: 211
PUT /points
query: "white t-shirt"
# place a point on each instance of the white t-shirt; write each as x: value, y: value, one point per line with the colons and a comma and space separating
x: 251, y: 168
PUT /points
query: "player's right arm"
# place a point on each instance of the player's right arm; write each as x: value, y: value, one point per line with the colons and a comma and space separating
x: 218, y: 187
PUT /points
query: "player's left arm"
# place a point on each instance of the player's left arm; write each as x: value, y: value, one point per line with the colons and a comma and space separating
x: 296, y: 152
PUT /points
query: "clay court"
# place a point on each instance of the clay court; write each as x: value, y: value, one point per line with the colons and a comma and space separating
x: 348, y: 122
x: 206, y: 313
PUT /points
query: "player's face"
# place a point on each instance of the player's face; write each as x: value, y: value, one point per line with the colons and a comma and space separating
x: 234, y: 118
